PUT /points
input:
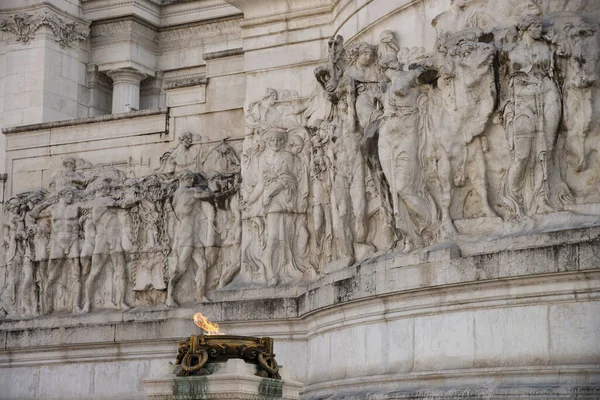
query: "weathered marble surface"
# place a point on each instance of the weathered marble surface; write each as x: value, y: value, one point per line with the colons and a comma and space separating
x: 434, y: 185
x: 518, y: 315
x: 490, y: 133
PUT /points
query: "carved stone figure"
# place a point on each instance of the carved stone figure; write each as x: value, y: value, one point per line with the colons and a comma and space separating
x: 579, y: 45
x: 362, y: 68
x: 36, y: 254
x: 222, y: 166
x: 107, y: 246
x: 322, y: 181
x: 531, y: 118
x: 150, y: 236
x: 189, y: 241
x: 387, y: 44
x: 465, y: 100
x: 185, y: 156
x: 14, y: 244
x: 399, y: 152
x: 462, y: 15
x: 64, y: 246
x: 350, y: 208
x: 68, y: 177
x: 281, y: 196
x: 276, y: 110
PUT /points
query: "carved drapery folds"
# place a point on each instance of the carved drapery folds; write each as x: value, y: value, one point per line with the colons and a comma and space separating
x: 24, y: 26
x: 493, y: 132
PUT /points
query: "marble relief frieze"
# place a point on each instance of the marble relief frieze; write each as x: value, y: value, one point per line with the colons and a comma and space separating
x: 394, y: 149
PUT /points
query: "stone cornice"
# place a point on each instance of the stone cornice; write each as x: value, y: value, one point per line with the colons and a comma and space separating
x: 127, y: 29
x: 80, y: 121
x: 159, y: 13
x: 25, y: 24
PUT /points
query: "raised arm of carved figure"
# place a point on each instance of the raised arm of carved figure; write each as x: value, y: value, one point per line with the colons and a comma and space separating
x: 41, y: 210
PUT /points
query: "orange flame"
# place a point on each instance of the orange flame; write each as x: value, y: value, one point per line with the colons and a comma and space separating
x: 203, y: 323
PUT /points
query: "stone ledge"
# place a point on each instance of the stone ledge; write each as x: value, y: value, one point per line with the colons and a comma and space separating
x: 147, y: 332
x: 223, y: 53
x: 82, y: 121
x: 556, y: 382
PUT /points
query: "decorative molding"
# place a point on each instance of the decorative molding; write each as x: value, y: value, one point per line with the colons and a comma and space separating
x: 25, y: 26
x: 191, y: 9
x: 126, y: 29
x: 195, y: 31
x: 149, y: 6
x: 179, y: 82
x: 223, y: 53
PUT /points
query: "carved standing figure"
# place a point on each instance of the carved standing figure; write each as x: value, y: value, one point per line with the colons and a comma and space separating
x: 14, y: 244
x: 349, y: 184
x: 36, y: 253
x: 399, y: 152
x: 190, y: 238
x: 581, y: 48
x: 461, y: 109
x: 322, y: 178
x: 64, y: 246
x: 531, y: 119
x: 279, y: 190
x: 107, y: 246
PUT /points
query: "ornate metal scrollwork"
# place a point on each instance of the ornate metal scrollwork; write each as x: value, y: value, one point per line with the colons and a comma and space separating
x: 197, y: 351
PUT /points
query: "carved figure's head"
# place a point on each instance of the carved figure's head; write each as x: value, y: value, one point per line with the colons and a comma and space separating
x: 187, y: 179
x: 69, y: 164
x: 67, y: 195
x: 187, y: 139
x: 472, y: 54
x: 13, y: 204
x: 270, y: 97
x: 295, y: 144
x: 103, y: 189
x: 362, y: 54
x: 275, y: 139
x: 584, y: 49
x: 532, y: 25
x: 387, y: 36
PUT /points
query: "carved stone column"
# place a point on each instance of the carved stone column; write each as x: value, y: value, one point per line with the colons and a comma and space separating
x: 126, y: 89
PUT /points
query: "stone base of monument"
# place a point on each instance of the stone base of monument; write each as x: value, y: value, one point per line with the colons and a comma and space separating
x: 233, y: 379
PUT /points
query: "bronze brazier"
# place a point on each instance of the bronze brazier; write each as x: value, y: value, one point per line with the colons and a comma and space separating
x: 197, y: 351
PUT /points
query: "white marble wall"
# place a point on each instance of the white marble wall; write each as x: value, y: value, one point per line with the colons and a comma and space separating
x: 483, y: 316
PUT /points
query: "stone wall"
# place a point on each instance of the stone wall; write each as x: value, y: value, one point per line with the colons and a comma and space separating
x: 404, y: 194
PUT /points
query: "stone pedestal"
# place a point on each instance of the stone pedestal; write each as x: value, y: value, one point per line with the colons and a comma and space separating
x: 126, y: 89
x: 234, y: 379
